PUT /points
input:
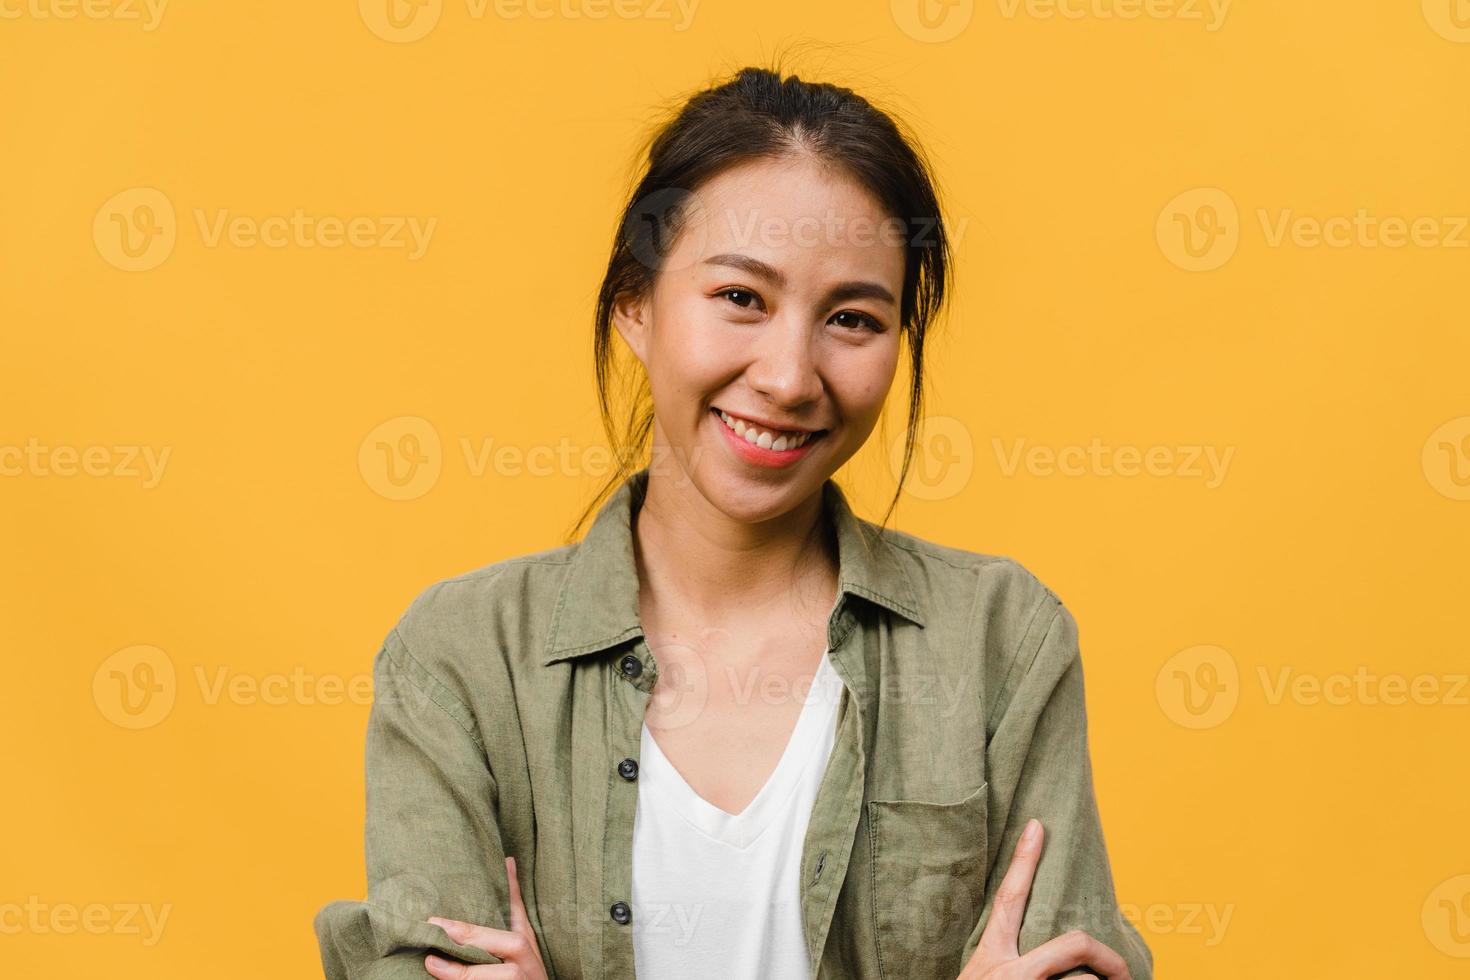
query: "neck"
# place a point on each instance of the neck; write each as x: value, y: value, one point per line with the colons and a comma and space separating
x: 695, y: 561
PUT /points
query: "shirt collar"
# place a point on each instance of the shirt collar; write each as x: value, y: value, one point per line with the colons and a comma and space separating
x: 597, y: 606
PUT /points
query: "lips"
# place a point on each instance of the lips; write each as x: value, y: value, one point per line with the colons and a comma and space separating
x: 766, y: 437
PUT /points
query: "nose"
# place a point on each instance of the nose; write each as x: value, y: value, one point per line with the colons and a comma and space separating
x: 784, y: 364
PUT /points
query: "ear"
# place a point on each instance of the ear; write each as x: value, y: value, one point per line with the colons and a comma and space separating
x: 631, y: 317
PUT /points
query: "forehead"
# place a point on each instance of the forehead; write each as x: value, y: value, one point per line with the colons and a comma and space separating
x: 795, y: 186
x: 796, y: 214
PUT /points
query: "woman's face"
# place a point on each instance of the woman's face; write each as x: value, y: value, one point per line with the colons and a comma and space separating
x: 771, y: 335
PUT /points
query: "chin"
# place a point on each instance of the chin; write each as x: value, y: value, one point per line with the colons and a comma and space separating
x: 752, y: 501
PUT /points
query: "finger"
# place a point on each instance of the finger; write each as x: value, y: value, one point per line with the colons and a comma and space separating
x: 509, y: 946
x: 517, y: 909
x: 1004, y: 928
x: 1074, y: 949
x: 448, y: 970
x: 519, y: 921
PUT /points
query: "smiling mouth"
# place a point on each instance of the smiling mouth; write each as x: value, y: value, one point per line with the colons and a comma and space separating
x: 778, y: 440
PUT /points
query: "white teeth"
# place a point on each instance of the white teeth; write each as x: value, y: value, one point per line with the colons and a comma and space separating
x: 762, y: 438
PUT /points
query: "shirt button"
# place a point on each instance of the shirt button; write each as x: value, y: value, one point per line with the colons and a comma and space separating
x: 628, y: 769
x: 631, y: 665
x: 621, y: 913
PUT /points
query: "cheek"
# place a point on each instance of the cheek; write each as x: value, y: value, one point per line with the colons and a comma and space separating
x: 692, y: 342
x: 691, y: 351
x: 866, y: 378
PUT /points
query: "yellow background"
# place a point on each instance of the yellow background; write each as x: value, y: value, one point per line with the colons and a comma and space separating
x: 1329, y: 838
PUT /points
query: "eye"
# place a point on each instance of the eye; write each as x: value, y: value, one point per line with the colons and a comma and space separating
x: 862, y: 320
x: 735, y: 291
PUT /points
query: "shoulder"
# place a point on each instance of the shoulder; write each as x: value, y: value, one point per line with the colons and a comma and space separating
x: 997, y: 592
x: 1015, y: 627
x: 991, y: 606
x: 454, y: 627
x: 464, y: 600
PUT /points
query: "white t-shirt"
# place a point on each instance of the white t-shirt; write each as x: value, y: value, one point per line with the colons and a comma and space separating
x: 715, y: 894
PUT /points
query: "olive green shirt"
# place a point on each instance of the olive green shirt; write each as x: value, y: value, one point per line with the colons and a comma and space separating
x: 507, y: 716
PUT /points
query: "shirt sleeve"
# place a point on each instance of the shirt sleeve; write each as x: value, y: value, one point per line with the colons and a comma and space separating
x: 1039, y: 766
x: 433, y: 846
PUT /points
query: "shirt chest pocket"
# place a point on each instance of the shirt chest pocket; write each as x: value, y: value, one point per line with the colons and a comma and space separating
x: 929, y: 871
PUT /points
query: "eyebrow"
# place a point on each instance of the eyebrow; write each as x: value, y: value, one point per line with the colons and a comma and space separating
x: 857, y: 289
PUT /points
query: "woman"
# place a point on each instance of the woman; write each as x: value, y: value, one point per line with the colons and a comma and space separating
x: 736, y: 731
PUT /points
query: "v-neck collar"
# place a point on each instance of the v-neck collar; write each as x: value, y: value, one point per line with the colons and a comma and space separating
x: 742, y: 829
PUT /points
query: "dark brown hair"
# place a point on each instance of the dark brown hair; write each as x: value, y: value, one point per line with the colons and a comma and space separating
x: 759, y: 114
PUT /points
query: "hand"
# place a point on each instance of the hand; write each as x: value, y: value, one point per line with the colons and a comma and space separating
x: 997, y: 957
x: 516, y: 947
